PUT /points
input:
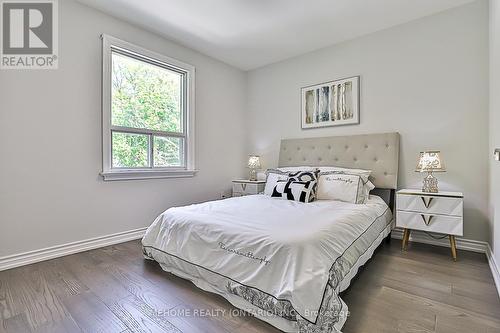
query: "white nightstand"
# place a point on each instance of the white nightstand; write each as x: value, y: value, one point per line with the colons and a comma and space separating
x: 431, y: 212
x: 243, y: 187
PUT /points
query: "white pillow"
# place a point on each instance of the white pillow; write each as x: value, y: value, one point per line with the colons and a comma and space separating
x: 365, y: 174
x: 273, y: 176
x: 361, y: 172
x: 367, y: 189
x: 299, y: 168
x: 342, y: 186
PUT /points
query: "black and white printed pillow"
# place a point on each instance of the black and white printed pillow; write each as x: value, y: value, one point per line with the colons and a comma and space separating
x: 294, y: 190
x: 305, y: 176
x: 343, y: 186
x: 272, y: 177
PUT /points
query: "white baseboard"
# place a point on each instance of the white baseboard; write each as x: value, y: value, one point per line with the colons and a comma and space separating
x: 462, y: 243
x: 495, y: 270
x: 31, y: 257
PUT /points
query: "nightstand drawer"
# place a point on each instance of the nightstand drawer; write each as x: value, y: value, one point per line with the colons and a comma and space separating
x: 430, y: 204
x: 451, y: 225
x: 241, y: 188
x: 244, y: 188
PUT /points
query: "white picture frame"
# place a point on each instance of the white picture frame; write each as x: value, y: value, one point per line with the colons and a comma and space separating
x: 332, y: 103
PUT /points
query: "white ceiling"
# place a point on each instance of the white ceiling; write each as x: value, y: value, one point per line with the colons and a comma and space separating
x: 253, y: 33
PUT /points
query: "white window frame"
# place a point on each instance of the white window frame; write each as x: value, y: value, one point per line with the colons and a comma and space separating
x: 108, y: 172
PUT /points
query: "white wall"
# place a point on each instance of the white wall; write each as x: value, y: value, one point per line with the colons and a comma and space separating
x: 50, y: 141
x: 495, y: 123
x: 427, y: 79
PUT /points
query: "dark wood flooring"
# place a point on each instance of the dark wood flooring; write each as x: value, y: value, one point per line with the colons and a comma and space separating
x: 114, y: 289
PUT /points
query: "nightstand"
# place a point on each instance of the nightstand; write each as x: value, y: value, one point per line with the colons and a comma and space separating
x: 430, y: 212
x: 243, y: 187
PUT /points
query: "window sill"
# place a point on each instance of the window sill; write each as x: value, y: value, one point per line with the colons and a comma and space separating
x: 146, y: 174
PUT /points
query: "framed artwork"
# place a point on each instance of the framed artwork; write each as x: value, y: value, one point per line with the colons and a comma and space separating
x: 331, y: 103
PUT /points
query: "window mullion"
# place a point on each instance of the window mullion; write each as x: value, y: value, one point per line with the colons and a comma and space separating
x: 151, y: 154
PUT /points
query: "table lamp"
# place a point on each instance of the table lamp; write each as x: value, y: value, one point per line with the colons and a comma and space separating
x: 253, y: 165
x: 430, y: 161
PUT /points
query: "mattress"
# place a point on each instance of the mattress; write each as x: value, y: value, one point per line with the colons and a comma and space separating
x: 285, y: 262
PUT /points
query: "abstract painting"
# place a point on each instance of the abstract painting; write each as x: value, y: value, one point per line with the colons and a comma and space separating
x: 331, y: 103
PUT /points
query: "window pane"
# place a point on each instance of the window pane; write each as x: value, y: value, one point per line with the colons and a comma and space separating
x: 167, y: 151
x: 145, y: 95
x: 130, y: 150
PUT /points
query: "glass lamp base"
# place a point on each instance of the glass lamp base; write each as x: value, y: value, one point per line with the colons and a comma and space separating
x: 253, y: 174
x: 430, y: 184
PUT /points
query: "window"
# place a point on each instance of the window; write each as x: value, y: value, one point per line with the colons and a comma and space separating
x: 148, y: 114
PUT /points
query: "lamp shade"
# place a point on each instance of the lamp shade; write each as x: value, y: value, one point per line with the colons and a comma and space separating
x: 430, y: 161
x: 253, y: 162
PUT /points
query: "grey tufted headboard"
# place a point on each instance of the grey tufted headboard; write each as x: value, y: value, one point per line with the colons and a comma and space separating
x: 376, y: 152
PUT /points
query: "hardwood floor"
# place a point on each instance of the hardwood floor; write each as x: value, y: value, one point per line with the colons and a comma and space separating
x: 114, y: 289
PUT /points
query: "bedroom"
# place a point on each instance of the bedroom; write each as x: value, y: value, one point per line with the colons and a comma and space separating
x: 247, y: 83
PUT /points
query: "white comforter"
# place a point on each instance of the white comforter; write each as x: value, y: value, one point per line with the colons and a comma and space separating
x: 283, y: 248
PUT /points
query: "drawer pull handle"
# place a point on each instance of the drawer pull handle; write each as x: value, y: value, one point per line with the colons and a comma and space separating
x: 427, y: 219
x: 243, y: 186
x: 427, y: 201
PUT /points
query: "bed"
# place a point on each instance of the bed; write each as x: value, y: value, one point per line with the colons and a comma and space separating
x: 286, y: 262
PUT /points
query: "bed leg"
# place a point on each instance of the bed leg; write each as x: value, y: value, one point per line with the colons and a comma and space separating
x: 388, y: 238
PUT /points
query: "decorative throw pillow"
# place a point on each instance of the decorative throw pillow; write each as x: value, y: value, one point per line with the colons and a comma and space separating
x: 365, y: 175
x: 305, y: 176
x: 279, y: 190
x: 294, y: 190
x: 348, y: 187
x: 272, y: 177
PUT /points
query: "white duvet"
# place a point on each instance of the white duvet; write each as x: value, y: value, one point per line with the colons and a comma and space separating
x: 280, y: 247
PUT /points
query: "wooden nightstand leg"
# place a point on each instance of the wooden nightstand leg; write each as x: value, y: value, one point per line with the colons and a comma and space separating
x: 403, y: 244
x: 403, y: 240
x: 453, y: 246
x: 406, y: 238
